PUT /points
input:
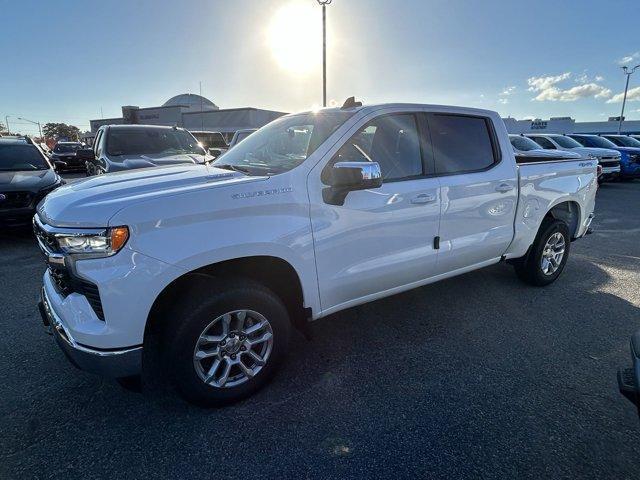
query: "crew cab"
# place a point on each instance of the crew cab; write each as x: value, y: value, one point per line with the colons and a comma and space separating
x: 608, y: 159
x: 629, y: 148
x: 210, y: 266
x: 127, y: 147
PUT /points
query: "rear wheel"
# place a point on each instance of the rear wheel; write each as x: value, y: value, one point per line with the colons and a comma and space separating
x: 226, y: 341
x: 548, y: 254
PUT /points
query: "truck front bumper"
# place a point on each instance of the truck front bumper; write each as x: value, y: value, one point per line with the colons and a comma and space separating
x: 114, y: 363
x: 629, y: 378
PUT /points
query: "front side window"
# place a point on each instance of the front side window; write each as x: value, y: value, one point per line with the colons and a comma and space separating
x: 15, y: 158
x: 392, y: 141
x: 461, y: 143
x: 282, y: 144
x: 544, y: 143
x: 140, y: 141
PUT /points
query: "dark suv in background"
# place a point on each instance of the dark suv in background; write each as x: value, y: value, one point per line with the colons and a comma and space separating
x: 125, y: 147
x: 26, y: 177
x: 64, y: 156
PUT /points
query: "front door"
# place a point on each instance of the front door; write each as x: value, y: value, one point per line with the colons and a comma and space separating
x: 382, y: 239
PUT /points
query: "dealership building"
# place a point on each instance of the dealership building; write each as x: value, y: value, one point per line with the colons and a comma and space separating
x: 569, y: 125
x: 192, y: 112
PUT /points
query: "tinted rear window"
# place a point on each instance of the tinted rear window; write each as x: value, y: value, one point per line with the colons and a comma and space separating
x: 461, y: 143
x: 151, y: 142
x: 61, y: 148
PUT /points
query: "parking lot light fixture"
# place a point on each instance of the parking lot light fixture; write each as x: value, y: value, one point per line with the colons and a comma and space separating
x: 324, y: 4
x: 35, y: 123
x: 628, y: 72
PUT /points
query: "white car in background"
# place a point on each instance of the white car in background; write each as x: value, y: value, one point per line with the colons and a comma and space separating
x: 608, y: 159
x: 528, y: 149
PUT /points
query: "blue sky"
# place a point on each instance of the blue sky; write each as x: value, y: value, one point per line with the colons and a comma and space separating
x: 65, y: 60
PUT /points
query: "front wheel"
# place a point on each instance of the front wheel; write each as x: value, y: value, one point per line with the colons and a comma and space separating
x: 226, y: 341
x: 548, y: 254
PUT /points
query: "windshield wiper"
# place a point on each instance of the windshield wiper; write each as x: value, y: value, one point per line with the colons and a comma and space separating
x: 235, y: 168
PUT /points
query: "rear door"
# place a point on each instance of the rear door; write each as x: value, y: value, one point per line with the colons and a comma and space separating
x: 478, y: 183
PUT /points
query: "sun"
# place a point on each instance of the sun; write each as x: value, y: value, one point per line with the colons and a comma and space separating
x: 295, y: 36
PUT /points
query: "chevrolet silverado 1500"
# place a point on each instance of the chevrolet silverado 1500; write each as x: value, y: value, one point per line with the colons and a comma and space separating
x: 314, y: 213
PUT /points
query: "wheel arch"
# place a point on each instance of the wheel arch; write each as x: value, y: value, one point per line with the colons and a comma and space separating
x: 568, y: 211
x: 273, y: 272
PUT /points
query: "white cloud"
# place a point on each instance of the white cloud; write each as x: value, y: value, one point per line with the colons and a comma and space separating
x: 507, y: 91
x: 629, y: 58
x: 503, y: 101
x: 633, y: 95
x: 547, y: 88
x: 537, y: 84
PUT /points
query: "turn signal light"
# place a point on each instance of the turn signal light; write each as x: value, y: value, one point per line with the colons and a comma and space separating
x: 119, y: 236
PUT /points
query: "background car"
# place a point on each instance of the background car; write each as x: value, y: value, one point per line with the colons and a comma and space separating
x: 26, y: 177
x: 629, y: 148
x: 240, y: 135
x: 125, y: 147
x: 213, y: 142
x: 608, y: 159
x: 64, y: 156
x: 525, y: 147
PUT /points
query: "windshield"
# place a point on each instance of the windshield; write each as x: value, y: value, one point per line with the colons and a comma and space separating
x: 566, y: 142
x: 66, y: 148
x: 625, y: 141
x: 283, y: 144
x: 20, y: 158
x: 523, y: 144
x: 149, y: 141
x: 599, y: 142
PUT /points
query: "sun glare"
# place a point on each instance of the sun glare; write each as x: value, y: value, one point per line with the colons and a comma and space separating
x: 295, y: 37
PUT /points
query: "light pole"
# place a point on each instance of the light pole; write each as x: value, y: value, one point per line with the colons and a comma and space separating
x: 324, y: 4
x: 6, y: 124
x: 628, y: 72
x: 35, y: 123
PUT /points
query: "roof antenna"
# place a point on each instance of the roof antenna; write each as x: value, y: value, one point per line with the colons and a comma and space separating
x: 351, y: 103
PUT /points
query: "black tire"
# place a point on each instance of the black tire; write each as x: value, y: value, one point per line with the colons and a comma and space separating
x: 529, y: 268
x: 189, y: 319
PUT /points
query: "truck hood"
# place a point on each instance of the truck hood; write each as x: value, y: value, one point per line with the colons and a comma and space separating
x: 31, y: 180
x: 93, y: 201
x: 598, y: 152
x: 129, y: 162
x: 631, y: 150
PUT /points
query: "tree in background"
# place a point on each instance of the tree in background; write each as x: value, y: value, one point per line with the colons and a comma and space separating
x: 61, y: 130
x: 3, y: 129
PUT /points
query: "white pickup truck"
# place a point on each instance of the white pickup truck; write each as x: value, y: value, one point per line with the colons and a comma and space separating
x: 314, y: 213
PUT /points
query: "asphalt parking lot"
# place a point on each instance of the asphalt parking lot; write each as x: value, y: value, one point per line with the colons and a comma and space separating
x: 475, y: 377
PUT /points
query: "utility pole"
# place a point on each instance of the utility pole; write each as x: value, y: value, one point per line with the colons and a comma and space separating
x: 6, y: 124
x: 324, y: 4
x: 628, y: 72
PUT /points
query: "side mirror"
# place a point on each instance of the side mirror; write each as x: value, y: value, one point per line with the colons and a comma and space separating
x: 58, y: 164
x: 345, y: 177
x: 85, y: 154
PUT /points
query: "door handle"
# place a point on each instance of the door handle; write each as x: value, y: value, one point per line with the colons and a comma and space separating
x: 423, y: 198
x: 504, y: 188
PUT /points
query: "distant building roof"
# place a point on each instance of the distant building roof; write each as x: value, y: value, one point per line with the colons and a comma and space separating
x: 192, y: 101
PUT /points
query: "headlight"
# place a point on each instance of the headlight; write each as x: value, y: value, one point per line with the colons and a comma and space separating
x: 93, y: 243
